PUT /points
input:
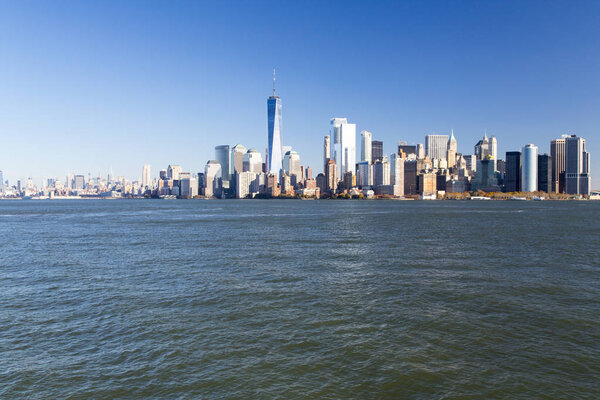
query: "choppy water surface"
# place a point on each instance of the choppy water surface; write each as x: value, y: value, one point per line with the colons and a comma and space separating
x: 299, y: 299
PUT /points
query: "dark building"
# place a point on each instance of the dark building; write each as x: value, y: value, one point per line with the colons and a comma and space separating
x: 376, y: 150
x: 410, y: 178
x: 501, y: 166
x: 544, y: 173
x: 407, y: 149
x: 512, y: 175
x: 441, y: 180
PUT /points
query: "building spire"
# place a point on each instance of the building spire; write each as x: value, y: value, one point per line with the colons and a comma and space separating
x: 273, y: 82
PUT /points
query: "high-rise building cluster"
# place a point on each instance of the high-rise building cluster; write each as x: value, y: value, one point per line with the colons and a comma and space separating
x: 426, y: 169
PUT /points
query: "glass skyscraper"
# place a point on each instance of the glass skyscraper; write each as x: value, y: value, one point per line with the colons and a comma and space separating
x: 275, y: 156
x: 529, y: 158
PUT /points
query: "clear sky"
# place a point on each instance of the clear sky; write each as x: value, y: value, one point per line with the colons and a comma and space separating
x: 90, y: 85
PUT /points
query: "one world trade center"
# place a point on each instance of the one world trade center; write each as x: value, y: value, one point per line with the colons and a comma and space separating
x: 275, y: 156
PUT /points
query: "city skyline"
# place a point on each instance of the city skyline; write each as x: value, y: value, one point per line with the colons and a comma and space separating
x: 71, y: 107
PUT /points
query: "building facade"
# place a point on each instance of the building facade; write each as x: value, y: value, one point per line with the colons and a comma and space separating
x: 365, y: 148
x: 436, y: 146
x: 512, y: 176
x: 577, y: 166
x: 274, y: 135
x: 529, y: 158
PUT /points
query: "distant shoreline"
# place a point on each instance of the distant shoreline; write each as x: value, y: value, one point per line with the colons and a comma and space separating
x: 475, y: 198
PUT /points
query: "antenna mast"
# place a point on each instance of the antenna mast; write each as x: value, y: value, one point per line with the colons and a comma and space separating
x: 273, y: 82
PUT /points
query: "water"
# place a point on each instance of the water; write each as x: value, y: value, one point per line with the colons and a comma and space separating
x: 299, y: 299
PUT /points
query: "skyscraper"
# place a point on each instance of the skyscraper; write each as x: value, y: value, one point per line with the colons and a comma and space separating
x: 365, y: 148
x: 381, y: 172
x: 577, y: 166
x: 452, y: 149
x: 173, y: 171
x: 344, y: 153
x: 335, y: 128
x: 331, y: 175
x: 275, y: 156
x: 529, y: 168
x: 557, y: 152
x: 291, y: 163
x: 397, y: 174
x: 408, y: 149
x: 544, y: 173
x: 436, y: 146
x: 236, y: 164
x: 326, y: 151
x: 512, y: 177
x: 212, y: 173
x: 252, y: 161
x: 222, y: 156
x: 365, y: 174
x: 146, y: 177
x: 376, y: 150
x: 420, y: 151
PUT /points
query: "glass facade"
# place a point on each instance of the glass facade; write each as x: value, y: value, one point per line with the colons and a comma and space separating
x: 274, y: 134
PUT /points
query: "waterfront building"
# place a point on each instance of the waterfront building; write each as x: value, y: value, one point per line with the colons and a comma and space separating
x: 173, y: 171
x: 544, y: 173
x: 381, y: 172
x: 365, y: 174
x: 78, y: 182
x: 146, y: 178
x: 347, y: 148
x: 365, y: 148
x: 529, y: 168
x: 427, y: 184
x: 212, y: 176
x: 272, y: 185
x: 274, y: 134
x: 188, y: 186
x: 577, y: 166
x: 557, y: 152
x: 331, y: 176
x: 321, y: 182
x: 291, y: 164
x: 244, y: 184
x: 486, y: 178
x: 436, y: 146
x: 326, y: 151
x: 512, y: 176
x: 376, y: 150
x: 223, y: 157
x: 252, y: 161
x: 397, y: 174
x: 237, y: 159
x: 410, y: 177
x: 456, y: 186
x: 1, y: 182
x: 335, y: 127
x: 349, y: 180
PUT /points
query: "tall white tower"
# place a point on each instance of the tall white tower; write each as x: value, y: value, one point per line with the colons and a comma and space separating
x: 365, y: 148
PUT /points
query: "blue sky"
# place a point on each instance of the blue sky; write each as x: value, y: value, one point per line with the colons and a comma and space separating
x: 90, y: 85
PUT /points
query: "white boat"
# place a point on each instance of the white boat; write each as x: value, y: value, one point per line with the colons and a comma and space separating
x: 538, y: 198
x: 480, y: 198
x: 519, y: 198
